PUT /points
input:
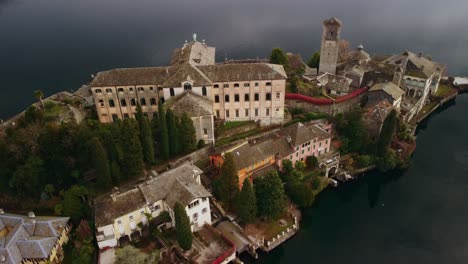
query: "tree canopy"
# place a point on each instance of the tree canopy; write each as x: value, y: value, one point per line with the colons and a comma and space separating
x: 247, y: 203
x: 182, y: 225
x: 278, y: 56
x: 226, y: 185
x: 271, y: 199
x: 314, y: 60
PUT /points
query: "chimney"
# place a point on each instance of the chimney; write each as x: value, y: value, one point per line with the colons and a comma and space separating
x: 31, y: 215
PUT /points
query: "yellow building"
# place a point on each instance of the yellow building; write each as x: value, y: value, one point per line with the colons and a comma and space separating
x: 31, y: 239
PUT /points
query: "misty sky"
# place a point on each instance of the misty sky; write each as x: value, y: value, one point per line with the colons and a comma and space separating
x: 55, y: 44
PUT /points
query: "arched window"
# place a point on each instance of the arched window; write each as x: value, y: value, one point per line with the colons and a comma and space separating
x: 120, y: 90
x: 268, y: 96
x: 171, y: 91
x: 143, y: 101
x: 153, y: 101
x: 98, y: 91
x: 108, y: 90
x: 141, y: 89
x: 123, y: 102
x: 133, y: 102
x: 187, y: 86
x: 268, y: 84
x: 111, y: 103
x: 236, y: 85
x: 203, y: 91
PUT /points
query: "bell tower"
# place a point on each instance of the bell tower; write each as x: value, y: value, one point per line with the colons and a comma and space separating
x: 330, y: 45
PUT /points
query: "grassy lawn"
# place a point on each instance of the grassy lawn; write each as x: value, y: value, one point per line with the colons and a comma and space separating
x: 233, y: 124
x: 444, y: 90
x: 272, y: 228
x: 225, y: 141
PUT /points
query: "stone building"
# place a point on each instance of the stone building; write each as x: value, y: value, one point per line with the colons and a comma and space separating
x: 389, y: 91
x: 334, y: 84
x: 122, y: 215
x: 31, y: 239
x: 330, y: 45
x: 374, y: 117
x: 199, y: 109
x: 294, y: 143
x: 239, y: 91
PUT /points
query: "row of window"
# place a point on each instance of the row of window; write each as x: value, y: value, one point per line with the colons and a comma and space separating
x: 246, y: 97
x: 123, y: 102
x: 226, y: 85
x: 172, y: 91
x: 246, y: 112
x: 195, y: 215
x: 121, y: 90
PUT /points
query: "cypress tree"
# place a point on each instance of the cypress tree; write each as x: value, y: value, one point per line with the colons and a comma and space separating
x: 172, y: 131
x: 277, y: 56
x: 155, y: 128
x: 226, y: 186
x: 164, y: 135
x: 146, y: 137
x: 247, y: 203
x: 182, y: 225
x: 188, y: 134
x: 100, y: 163
x: 132, y: 162
x: 269, y: 191
x: 115, y: 172
x: 386, y: 134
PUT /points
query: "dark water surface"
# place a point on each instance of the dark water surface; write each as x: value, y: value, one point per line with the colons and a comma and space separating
x: 56, y: 45
x: 419, y: 216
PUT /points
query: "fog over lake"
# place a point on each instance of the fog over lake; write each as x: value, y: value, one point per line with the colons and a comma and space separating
x: 55, y: 45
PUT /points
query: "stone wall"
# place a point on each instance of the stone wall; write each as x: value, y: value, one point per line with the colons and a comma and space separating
x: 196, y: 156
x: 327, y: 109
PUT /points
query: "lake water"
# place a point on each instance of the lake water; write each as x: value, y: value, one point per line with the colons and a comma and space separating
x: 56, y: 45
x: 420, y: 216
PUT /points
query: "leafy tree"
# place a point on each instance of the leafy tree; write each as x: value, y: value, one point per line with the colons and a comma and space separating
x: 312, y: 162
x: 132, y: 162
x: 300, y: 193
x: 316, y: 183
x: 269, y: 191
x: 364, y: 160
x: 182, y: 225
x: 286, y: 168
x: 131, y: 255
x: 201, y: 144
x: 31, y: 115
x: 146, y: 137
x: 172, y: 130
x: 353, y: 132
x: 189, y: 136
x: 278, y: 56
x: 155, y: 128
x: 294, y: 84
x: 226, y: 186
x: 100, y: 163
x: 386, y: 134
x: 299, y: 165
x: 314, y: 61
x: 388, y: 162
x: 49, y: 189
x: 247, y: 203
x: 74, y: 202
x: 164, y: 134
x: 38, y: 94
x: 115, y: 172
x: 25, y: 179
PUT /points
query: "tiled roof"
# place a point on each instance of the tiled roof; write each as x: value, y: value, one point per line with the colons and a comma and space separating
x: 390, y: 88
x: 191, y: 103
x: 133, y: 76
x: 426, y: 67
x: 301, y: 133
x: 29, y: 237
x: 243, y: 72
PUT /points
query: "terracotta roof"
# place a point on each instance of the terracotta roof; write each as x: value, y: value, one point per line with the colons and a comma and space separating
x: 390, y: 88
x: 191, y: 103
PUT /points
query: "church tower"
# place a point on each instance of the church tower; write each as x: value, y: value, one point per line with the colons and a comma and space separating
x: 330, y: 45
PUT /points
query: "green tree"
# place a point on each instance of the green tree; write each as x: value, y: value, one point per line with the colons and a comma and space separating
x: 100, y: 163
x: 146, y: 137
x: 314, y: 60
x: 132, y: 155
x: 269, y: 191
x: 201, y: 144
x: 182, y: 225
x: 247, y: 203
x: 116, y: 173
x: 164, y: 134
x: 294, y: 84
x: 278, y: 56
x: 74, y: 203
x: 38, y: 94
x: 226, y: 185
x: 173, y: 132
x: 155, y: 128
x: 312, y: 162
x: 300, y: 193
x: 299, y: 165
x: 353, y: 132
x: 188, y: 134
x: 286, y: 169
x: 386, y: 134
x: 388, y: 162
x: 364, y: 160
x: 25, y: 179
